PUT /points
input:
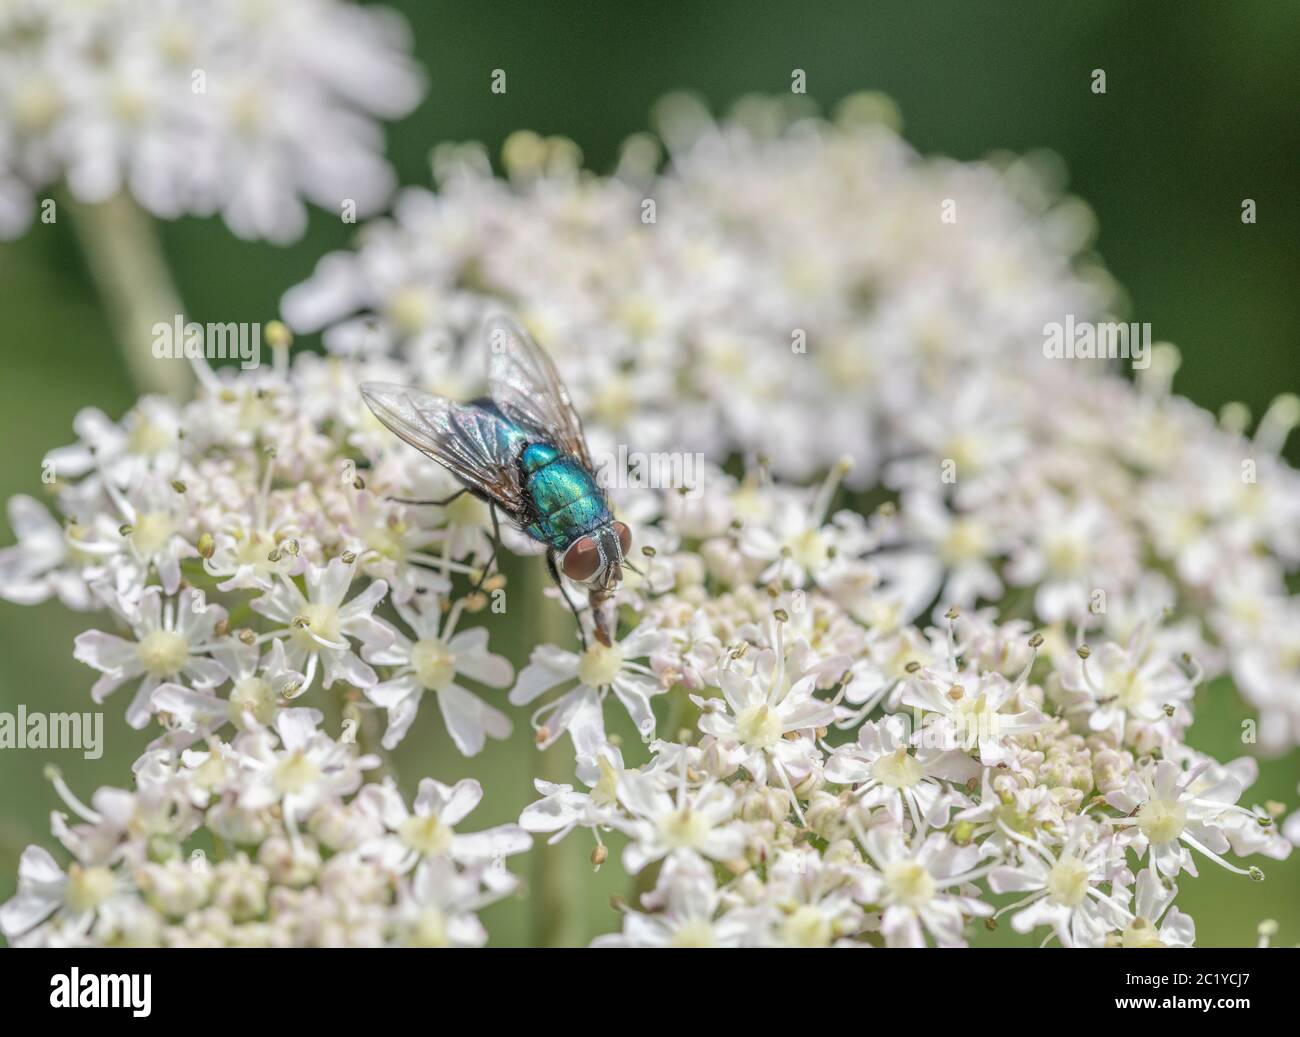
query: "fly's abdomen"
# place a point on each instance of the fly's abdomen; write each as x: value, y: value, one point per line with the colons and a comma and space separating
x: 566, y: 497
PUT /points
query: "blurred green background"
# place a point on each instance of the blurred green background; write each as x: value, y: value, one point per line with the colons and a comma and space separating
x: 1201, y: 112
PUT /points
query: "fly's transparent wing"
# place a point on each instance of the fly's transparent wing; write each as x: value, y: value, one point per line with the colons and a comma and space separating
x: 475, y: 445
x: 523, y: 382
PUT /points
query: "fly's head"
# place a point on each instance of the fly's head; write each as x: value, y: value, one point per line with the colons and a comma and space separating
x: 596, y: 559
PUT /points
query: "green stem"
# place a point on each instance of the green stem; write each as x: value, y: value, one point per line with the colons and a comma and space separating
x: 126, y: 261
x: 556, y: 869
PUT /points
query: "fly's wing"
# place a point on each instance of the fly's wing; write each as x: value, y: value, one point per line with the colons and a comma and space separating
x: 523, y: 382
x: 473, y: 444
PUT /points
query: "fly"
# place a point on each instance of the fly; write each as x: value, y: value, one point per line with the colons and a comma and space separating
x: 521, y: 450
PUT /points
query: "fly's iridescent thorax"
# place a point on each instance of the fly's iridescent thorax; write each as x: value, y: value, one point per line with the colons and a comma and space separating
x: 566, y: 499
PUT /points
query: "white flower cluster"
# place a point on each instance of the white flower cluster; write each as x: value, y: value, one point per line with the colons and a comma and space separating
x: 796, y: 290
x: 197, y: 107
x: 839, y: 761
x: 226, y: 540
x: 980, y: 757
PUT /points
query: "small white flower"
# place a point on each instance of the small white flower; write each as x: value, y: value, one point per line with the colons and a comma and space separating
x: 913, y: 887
x: 1063, y: 886
x: 886, y: 771
x: 694, y: 823
x: 688, y: 906
x: 598, y: 671
x: 763, y: 707
x: 317, y: 625
x: 428, y: 831
x: 432, y: 663
x: 34, y: 568
x: 170, y: 644
x: 1166, y: 813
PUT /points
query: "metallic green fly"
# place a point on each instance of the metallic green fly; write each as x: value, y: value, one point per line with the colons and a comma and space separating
x: 521, y: 449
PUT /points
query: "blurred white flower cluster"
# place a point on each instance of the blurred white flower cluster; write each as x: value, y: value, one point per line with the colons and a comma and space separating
x: 231, y: 106
x: 854, y: 724
x: 792, y: 290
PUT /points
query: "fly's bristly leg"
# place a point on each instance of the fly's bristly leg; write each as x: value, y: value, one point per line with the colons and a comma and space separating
x: 431, y: 503
x: 496, y: 545
x: 555, y: 575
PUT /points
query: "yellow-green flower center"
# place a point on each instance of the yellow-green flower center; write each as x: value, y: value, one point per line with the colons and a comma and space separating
x: 434, y: 663
x: 683, y: 830
x: 429, y: 930
x: 162, y: 653
x: 1067, y: 882
x: 295, y: 773
x: 1162, y: 820
x: 321, y: 620
x: 151, y: 531
x: 696, y: 932
x: 253, y: 697
x: 909, y: 883
x: 898, y: 770
x: 1141, y: 933
x: 426, y: 835
x: 808, y: 548
x: 88, y: 887
x: 807, y: 927
x: 758, y: 726
x: 605, y: 791
x: 599, y: 665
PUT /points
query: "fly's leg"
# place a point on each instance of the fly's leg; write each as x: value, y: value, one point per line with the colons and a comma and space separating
x: 433, y: 503
x: 496, y: 544
x: 555, y: 575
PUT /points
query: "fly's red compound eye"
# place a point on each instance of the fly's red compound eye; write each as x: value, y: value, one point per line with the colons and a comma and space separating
x: 581, y: 560
x: 624, y: 538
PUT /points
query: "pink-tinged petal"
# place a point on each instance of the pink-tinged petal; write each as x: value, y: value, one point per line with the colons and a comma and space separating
x: 31, y: 521
x: 364, y: 602
x: 464, y: 796
x: 106, y: 685
x: 553, y: 813
x: 37, y: 869
x: 296, y: 726
x: 390, y: 693
x: 141, y: 707
x: 107, y: 653
x: 191, y: 707
x: 843, y: 769
x: 204, y: 673
x: 431, y: 796
x: 476, y: 662
x: 641, y: 642
x: 901, y: 927
x: 492, y: 843
x: 1044, y: 912
x: 1013, y: 880
x: 40, y: 885
x: 346, y: 666
x: 469, y: 719
x: 400, y: 718
x: 169, y: 572
x: 328, y: 585
x: 739, y: 691
x: 634, y: 692
x: 586, y: 729
x: 197, y: 618
x: 544, y: 671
